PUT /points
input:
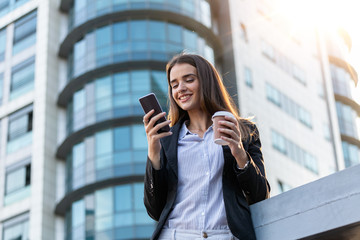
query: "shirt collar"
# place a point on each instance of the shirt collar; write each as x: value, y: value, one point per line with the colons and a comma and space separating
x: 185, y: 131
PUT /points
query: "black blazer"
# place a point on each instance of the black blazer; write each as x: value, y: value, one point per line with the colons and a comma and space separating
x: 240, y: 187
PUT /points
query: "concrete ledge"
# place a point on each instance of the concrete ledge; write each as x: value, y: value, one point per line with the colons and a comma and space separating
x: 328, y: 208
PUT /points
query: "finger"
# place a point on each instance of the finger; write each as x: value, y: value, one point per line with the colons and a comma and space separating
x: 231, y: 119
x: 231, y: 126
x: 155, y: 118
x: 164, y: 134
x: 230, y: 141
x: 154, y: 129
x: 230, y: 132
x: 147, y: 116
x: 157, y: 137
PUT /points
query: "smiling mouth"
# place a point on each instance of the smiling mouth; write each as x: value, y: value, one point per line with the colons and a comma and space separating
x: 184, y: 97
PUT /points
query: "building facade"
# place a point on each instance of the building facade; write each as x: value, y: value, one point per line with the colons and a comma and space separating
x: 73, y: 146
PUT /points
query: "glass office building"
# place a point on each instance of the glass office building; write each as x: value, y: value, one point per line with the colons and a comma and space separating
x: 116, y: 52
x: 72, y: 142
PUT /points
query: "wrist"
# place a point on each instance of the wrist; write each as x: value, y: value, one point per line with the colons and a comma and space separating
x: 155, y: 161
x: 245, y: 166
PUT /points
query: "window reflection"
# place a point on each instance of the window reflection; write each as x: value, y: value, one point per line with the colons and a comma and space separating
x: 22, y: 78
x: 2, y: 43
x: 294, y: 152
x: 118, y: 213
x: 20, y: 129
x: 24, y: 32
x: 133, y: 40
x: 347, y: 118
x: 116, y: 152
x: 342, y: 81
x: 84, y: 10
x: 16, y: 228
x: 113, y: 96
x: 351, y: 154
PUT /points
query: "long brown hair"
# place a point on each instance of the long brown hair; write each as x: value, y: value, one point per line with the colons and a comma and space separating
x: 213, y: 94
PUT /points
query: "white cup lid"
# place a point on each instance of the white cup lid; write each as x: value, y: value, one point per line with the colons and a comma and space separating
x: 223, y: 113
x: 220, y: 141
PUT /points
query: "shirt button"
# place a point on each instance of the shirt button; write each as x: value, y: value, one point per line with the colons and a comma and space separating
x: 205, y: 235
x: 202, y: 213
x: 207, y: 173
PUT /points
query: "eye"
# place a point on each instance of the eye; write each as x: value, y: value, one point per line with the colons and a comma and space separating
x: 174, y: 86
x: 190, y: 80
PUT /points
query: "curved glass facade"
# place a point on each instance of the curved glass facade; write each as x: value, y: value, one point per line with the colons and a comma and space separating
x: 343, y: 84
x: 118, y: 212
x: 110, y: 213
x: 114, y: 96
x: 114, y: 152
x: 347, y: 118
x: 132, y: 41
x: 85, y: 10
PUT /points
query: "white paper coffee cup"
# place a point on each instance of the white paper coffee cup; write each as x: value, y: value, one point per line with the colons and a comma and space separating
x: 219, y: 116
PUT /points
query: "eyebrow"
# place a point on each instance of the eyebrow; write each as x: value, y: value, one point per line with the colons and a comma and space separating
x: 185, y: 76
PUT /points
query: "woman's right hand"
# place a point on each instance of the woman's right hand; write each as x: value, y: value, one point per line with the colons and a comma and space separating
x: 153, y: 137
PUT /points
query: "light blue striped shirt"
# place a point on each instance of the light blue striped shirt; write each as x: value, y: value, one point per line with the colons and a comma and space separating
x: 199, y: 203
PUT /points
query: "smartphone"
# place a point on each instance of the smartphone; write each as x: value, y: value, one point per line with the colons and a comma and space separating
x: 149, y: 102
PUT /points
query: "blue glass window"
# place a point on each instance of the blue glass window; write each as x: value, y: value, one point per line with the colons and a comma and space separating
x: 4, y: 4
x: 248, y: 76
x: 18, y: 180
x: 103, y: 94
x: 24, y: 32
x: 351, y: 154
x: 78, y: 219
x: 174, y: 33
x: 120, y: 32
x: 79, y: 104
x: 138, y: 30
x: 124, y: 194
x: 140, y: 81
x: 104, y: 202
x: 16, y: 228
x: 103, y: 148
x: 2, y: 44
x: 190, y: 40
x: 294, y: 152
x: 78, y: 155
x: 121, y: 83
x: 1, y: 86
x: 139, y: 137
x: 117, y: 211
x: 9, y: 5
x: 157, y: 30
x: 347, y: 118
x: 103, y: 45
x: 22, y: 78
x: 20, y: 129
x: 133, y: 40
x: 85, y: 10
x: 122, y: 90
x: 121, y: 138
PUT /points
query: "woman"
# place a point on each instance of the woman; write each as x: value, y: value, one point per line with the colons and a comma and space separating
x: 195, y: 188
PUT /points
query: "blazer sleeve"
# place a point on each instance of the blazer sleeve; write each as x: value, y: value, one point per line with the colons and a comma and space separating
x: 252, y: 179
x: 155, y: 188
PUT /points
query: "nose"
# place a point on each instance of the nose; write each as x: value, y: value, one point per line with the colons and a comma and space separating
x: 182, y: 86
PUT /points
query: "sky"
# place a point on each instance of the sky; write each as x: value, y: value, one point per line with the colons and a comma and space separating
x: 328, y: 15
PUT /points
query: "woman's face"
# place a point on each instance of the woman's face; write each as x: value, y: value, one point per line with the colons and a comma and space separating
x: 185, y: 86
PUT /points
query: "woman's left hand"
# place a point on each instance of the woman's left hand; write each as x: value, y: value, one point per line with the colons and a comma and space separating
x: 231, y: 128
